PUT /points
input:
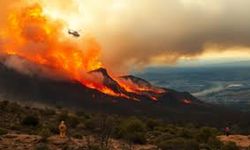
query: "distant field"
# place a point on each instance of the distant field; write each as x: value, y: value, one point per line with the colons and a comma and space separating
x: 223, y: 85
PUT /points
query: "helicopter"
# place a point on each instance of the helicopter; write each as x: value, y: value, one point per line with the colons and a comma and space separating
x: 74, y: 33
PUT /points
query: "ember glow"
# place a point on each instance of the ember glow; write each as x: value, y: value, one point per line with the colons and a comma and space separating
x: 34, y: 36
x: 138, y: 88
x: 186, y: 101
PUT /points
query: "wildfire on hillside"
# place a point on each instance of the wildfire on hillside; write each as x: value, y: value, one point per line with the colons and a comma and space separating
x: 32, y: 35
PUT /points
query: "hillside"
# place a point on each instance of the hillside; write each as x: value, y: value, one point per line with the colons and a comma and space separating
x: 26, y: 127
x: 170, y: 106
x: 227, y: 86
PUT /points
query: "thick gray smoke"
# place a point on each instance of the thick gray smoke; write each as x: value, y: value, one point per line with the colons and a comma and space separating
x: 147, y: 31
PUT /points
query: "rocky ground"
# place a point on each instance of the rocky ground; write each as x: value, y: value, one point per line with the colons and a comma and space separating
x: 240, y: 140
x: 14, y: 141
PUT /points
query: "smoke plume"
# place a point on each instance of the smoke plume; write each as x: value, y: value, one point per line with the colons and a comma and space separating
x: 135, y: 34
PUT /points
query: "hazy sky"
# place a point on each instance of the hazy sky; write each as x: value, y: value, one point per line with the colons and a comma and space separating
x: 138, y: 33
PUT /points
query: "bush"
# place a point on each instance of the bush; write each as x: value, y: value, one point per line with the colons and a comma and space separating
x: 44, y: 133
x: 137, y: 137
x: 178, y: 144
x: 2, y: 131
x: 42, y: 146
x: 63, y: 115
x: 133, y: 130
x: 230, y: 146
x: 30, y: 121
x: 191, y: 144
x: 72, y: 121
x: 214, y: 143
x: 53, y: 129
x: 205, y: 133
x: 94, y: 147
x: 91, y: 124
x: 77, y: 136
x: 82, y: 114
x: 165, y: 136
x: 48, y: 112
x: 4, y: 105
x: 151, y: 124
x: 185, y: 133
x: 15, y: 126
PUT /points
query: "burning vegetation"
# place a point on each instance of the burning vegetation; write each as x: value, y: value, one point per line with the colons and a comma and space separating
x: 32, y: 36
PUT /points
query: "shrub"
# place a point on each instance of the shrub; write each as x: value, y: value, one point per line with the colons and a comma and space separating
x: 44, y: 133
x: 30, y: 121
x: 133, y: 130
x: 72, y: 121
x: 178, y: 144
x: 48, y: 112
x: 205, y: 133
x: 230, y: 146
x: 164, y: 137
x: 15, y: 126
x: 91, y: 124
x: 63, y: 115
x: 151, y: 124
x: 214, y: 143
x: 3, y: 105
x: 185, y: 133
x: 53, y: 129
x: 191, y: 144
x: 2, y: 131
x: 82, y: 114
x: 94, y: 147
x: 14, y: 108
x: 77, y: 136
x: 137, y: 137
x: 42, y: 146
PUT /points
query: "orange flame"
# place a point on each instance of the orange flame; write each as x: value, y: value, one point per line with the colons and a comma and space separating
x: 130, y: 86
x: 37, y: 38
x: 186, y: 101
x: 34, y: 36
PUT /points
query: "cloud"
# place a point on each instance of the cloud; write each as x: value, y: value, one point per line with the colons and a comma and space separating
x: 135, y: 34
x: 139, y: 32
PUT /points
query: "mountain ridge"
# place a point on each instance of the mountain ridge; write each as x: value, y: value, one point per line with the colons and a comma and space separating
x: 169, y: 106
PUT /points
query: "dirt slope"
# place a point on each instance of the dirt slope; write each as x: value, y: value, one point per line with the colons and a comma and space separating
x: 241, y: 140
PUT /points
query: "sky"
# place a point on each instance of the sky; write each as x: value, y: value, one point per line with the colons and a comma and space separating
x: 140, y: 33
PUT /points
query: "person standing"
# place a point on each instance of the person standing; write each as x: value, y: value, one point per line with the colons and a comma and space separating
x: 62, y: 129
x: 227, y: 131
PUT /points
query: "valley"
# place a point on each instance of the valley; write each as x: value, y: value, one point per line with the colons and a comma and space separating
x: 223, y: 85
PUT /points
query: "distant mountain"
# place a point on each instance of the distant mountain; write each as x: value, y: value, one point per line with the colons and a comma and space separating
x: 187, y: 68
x: 243, y: 63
